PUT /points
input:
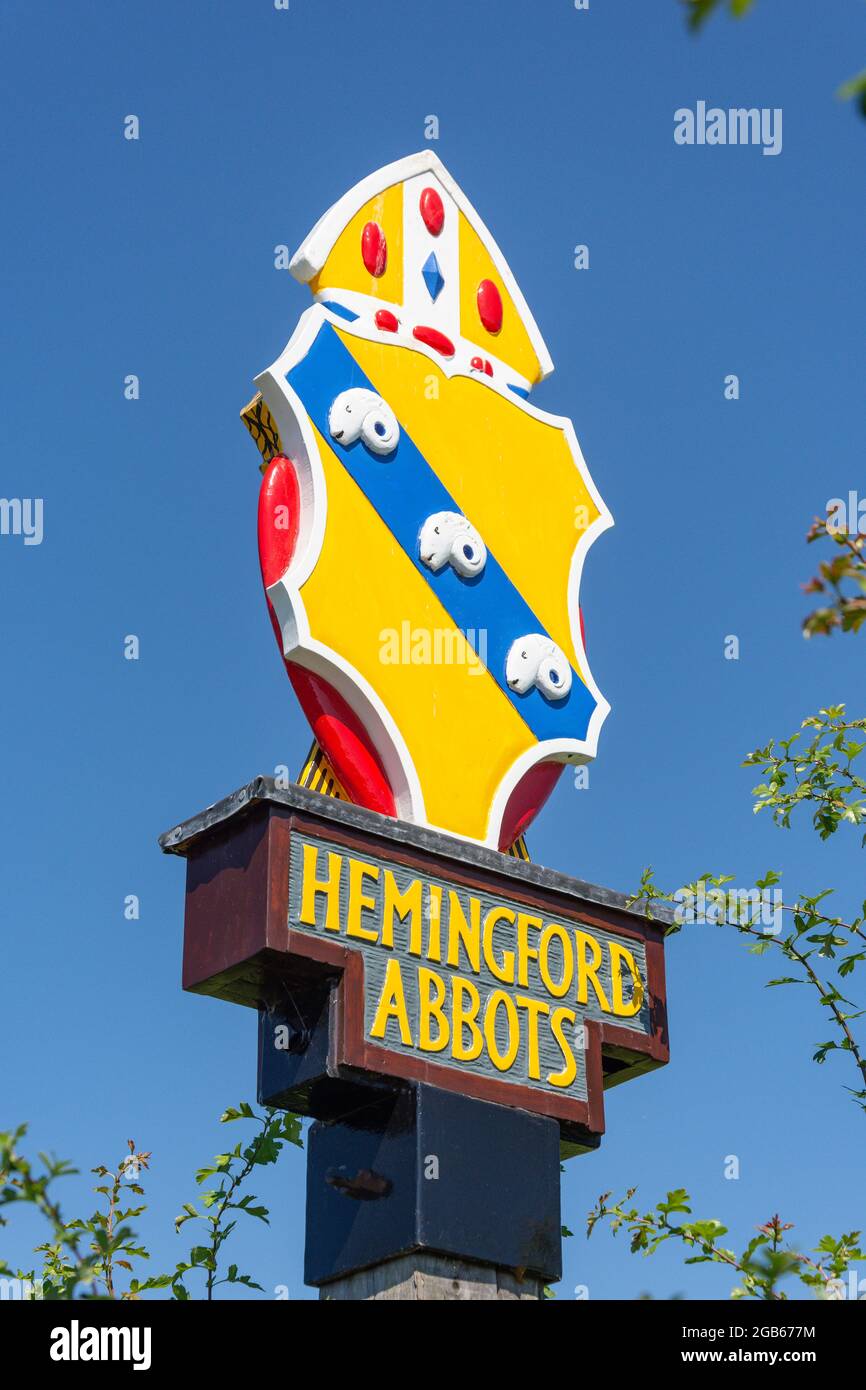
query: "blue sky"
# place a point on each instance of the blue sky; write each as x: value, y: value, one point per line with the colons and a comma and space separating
x: 156, y: 258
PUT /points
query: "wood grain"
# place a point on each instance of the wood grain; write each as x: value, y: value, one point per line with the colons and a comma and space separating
x: 422, y: 1277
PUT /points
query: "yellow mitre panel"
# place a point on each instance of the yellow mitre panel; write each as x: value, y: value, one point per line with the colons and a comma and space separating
x: 512, y: 342
x: 345, y: 268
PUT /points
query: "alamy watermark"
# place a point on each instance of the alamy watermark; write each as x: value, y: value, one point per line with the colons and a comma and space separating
x: 718, y: 907
x: 851, y: 1288
x: 426, y: 646
x: 846, y: 516
x: 22, y: 516
x: 740, y: 125
x: 77, y: 1343
x: 20, y: 1290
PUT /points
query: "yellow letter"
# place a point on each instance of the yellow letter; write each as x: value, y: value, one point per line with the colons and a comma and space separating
x: 569, y: 1071
x: 502, y: 1061
x: 459, y: 931
x: 553, y: 929
x: 534, y: 1007
x: 586, y: 971
x: 434, y: 944
x: 525, y: 952
x: 392, y: 1004
x: 505, y: 971
x: 461, y: 988
x: 428, y: 981
x: 401, y: 904
x: 618, y: 954
x: 358, y: 900
x: 312, y: 886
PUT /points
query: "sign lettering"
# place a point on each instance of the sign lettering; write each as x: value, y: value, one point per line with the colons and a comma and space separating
x: 475, y: 981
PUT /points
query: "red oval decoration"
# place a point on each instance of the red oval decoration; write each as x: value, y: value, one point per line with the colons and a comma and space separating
x: 348, y: 746
x: 490, y: 306
x: 374, y: 249
x: 385, y: 319
x: 434, y: 339
x: 432, y: 211
x: 526, y: 801
x: 346, y: 742
x: 279, y: 518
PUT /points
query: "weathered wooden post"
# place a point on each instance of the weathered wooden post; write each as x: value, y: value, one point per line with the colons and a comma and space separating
x: 447, y: 1012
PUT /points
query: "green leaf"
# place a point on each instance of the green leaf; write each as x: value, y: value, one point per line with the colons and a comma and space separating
x: 260, y: 1212
x: 760, y: 947
x: 676, y: 1201
x: 290, y: 1129
x: 708, y: 1230
x: 160, y: 1281
x: 699, y: 11
x: 243, y: 1112
x: 188, y: 1213
x: 854, y: 89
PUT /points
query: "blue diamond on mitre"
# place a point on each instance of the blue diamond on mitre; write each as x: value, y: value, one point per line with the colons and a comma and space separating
x: 433, y: 277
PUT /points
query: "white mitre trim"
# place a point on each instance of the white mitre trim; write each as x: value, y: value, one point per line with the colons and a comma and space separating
x: 311, y: 255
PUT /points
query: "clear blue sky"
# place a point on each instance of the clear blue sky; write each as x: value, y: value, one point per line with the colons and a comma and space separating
x: 156, y: 258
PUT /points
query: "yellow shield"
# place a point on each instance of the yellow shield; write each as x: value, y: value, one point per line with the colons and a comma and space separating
x: 422, y: 656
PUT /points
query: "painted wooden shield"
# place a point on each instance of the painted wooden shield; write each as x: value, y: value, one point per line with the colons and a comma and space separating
x: 422, y: 525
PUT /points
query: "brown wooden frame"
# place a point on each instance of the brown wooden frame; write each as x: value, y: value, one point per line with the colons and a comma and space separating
x: 238, y: 945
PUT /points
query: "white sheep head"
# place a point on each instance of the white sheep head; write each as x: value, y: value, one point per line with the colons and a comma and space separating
x: 534, y: 660
x: 361, y: 414
x: 448, y: 538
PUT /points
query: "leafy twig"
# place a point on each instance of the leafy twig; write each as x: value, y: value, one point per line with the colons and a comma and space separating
x: 276, y: 1128
x: 814, y: 935
x: 819, y: 773
x: 842, y: 578
x: 67, y: 1266
x: 699, y: 11
x: 767, y: 1259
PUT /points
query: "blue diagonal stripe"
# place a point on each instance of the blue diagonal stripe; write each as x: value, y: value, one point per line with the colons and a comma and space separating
x: 404, y: 490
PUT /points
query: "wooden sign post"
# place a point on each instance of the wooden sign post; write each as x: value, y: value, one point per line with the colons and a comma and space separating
x: 448, y: 1013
